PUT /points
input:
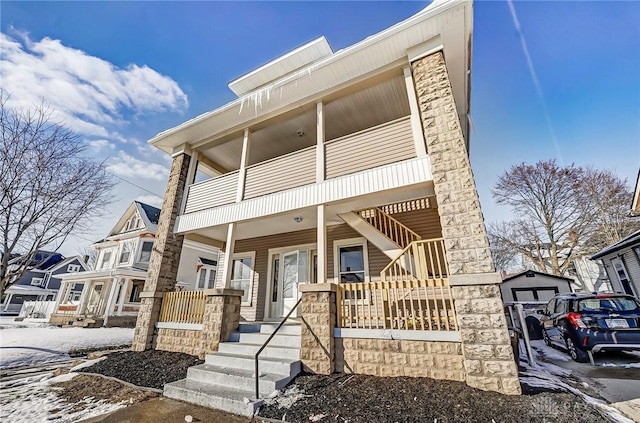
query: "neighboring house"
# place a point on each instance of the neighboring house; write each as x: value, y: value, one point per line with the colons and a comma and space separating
x: 622, y: 263
x: 110, y: 293
x: 531, y: 285
x: 341, y: 180
x: 41, y: 282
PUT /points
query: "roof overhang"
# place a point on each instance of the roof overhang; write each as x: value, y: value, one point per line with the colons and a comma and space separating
x: 101, y: 274
x: 450, y: 20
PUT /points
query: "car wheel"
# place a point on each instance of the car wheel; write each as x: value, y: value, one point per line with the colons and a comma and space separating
x: 576, y: 353
x: 545, y: 337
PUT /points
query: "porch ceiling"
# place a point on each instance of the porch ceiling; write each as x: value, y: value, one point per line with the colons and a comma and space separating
x: 286, y: 222
x: 372, y: 104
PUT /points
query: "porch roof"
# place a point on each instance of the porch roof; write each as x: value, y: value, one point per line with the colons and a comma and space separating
x: 29, y: 290
x: 101, y: 274
x: 444, y: 23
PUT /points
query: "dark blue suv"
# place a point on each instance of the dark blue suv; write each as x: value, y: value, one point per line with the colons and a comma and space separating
x: 587, y: 323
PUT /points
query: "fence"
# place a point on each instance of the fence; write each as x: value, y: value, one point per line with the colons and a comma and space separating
x: 183, y: 307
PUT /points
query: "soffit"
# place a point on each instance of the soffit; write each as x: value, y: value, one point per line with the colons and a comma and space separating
x: 451, y: 20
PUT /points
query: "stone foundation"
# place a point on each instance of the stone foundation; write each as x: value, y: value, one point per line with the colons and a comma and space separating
x: 387, y: 357
x: 179, y: 340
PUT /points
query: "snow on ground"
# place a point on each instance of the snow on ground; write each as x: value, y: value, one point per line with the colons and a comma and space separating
x: 38, y: 402
x: 23, y: 344
x: 550, y: 376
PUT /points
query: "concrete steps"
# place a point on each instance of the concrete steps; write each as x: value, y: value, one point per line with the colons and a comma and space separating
x: 226, y: 380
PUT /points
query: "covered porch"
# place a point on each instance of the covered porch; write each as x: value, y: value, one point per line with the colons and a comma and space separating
x: 99, y: 298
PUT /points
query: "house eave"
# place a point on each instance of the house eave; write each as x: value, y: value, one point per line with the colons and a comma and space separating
x: 415, y: 30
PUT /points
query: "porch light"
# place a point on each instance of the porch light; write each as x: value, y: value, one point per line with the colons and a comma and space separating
x: 298, y: 219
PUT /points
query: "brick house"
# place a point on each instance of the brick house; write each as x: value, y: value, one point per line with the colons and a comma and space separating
x: 340, y: 179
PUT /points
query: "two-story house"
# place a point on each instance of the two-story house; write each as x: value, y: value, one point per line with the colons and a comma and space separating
x: 110, y: 293
x: 339, y: 189
x: 41, y: 281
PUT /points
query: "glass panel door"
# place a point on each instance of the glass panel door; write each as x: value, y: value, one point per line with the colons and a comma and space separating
x: 289, y: 281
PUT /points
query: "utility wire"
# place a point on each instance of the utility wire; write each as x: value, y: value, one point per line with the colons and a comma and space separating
x: 135, y: 185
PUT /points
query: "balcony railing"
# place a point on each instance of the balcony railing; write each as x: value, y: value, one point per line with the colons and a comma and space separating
x: 213, y: 192
x: 183, y: 307
x: 387, y: 143
x: 278, y: 174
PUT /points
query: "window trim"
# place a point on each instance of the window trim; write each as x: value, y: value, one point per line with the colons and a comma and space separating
x: 73, y: 268
x: 34, y: 283
x: 131, y: 253
x: 350, y: 242
x: 140, y: 250
x: 251, y: 255
x: 620, y: 259
x: 206, y: 268
x: 102, y: 260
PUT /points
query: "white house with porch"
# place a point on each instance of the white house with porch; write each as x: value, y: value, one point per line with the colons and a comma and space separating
x: 110, y: 293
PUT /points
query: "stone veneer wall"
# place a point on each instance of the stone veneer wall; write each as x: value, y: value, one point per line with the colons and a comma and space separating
x: 388, y: 357
x: 488, y: 356
x: 179, y: 340
x: 318, y: 315
x: 165, y: 256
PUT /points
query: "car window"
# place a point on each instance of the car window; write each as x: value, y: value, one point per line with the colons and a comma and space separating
x: 608, y: 304
x: 561, y: 306
x: 550, y: 306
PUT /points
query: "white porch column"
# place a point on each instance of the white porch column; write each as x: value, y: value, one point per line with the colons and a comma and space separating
x: 7, y: 301
x: 228, y: 254
x: 320, y: 156
x: 322, y: 244
x: 112, y: 293
x: 191, y: 177
x: 83, y: 297
x: 244, y: 160
x: 123, y: 294
x: 62, y: 293
x: 416, y: 123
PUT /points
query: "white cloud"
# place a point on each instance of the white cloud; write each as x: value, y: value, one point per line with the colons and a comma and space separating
x: 100, y: 144
x: 89, y: 94
x: 129, y: 167
x: 152, y: 200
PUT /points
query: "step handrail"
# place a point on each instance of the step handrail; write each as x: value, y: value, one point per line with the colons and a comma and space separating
x: 267, y: 342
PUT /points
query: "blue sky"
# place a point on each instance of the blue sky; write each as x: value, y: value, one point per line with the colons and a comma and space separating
x: 166, y: 62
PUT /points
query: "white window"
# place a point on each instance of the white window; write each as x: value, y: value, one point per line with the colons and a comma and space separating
x: 206, y: 277
x: 623, y: 276
x: 145, y: 252
x: 131, y: 224
x: 37, y: 281
x: 125, y: 253
x: 73, y: 268
x: 106, y: 260
x: 351, y: 260
x: 242, y: 275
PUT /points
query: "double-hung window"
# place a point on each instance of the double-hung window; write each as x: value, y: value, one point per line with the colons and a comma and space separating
x: 242, y: 275
x: 106, y: 260
x: 206, y: 277
x: 351, y: 260
x: 125, y: 253
x: 145, y: 252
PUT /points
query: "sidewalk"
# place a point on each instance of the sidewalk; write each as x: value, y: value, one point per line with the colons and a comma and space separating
x: 166, y: 410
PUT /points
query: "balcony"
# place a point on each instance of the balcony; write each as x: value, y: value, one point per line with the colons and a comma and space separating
x: 380, y: 145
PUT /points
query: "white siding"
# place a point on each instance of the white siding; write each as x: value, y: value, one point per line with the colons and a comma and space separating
x: 284, y: 172
x: 395, y: 175
x: 387, y: 143
x: 213, y: 192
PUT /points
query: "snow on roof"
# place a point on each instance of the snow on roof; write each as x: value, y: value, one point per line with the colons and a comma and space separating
x: 634, y: 238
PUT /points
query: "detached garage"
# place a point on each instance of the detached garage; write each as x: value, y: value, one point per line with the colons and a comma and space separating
x: 533, y: 286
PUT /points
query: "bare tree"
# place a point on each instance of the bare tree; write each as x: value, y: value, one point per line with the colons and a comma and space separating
x: 90, y: 256
x: 562, y: 213
x: 49, y: 189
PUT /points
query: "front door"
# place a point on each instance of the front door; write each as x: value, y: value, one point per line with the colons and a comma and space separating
x: 294, y: 271
x: 95, y: 298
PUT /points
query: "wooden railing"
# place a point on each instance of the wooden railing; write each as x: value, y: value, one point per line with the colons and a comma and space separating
x: 389, y: 226
x: 414, y: 294
x: 183, y: 307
